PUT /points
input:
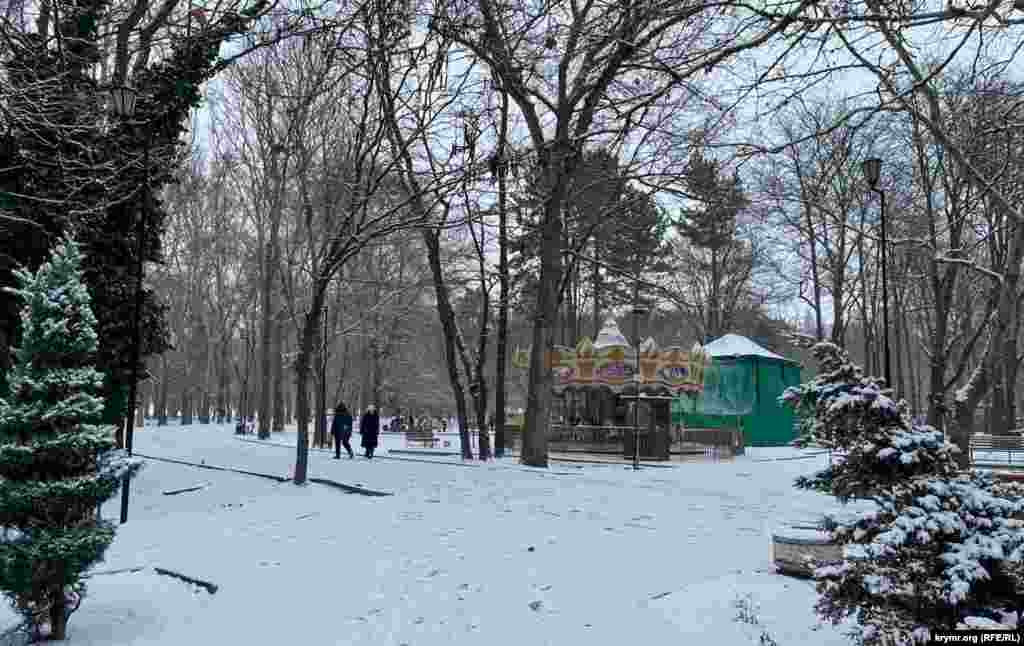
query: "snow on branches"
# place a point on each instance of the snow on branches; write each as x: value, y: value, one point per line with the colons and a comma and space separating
x: 940, y: 549
x: 57, y: 462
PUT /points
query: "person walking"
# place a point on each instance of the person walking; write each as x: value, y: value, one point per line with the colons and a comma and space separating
x: 369, y: 428
x: 341, y: 429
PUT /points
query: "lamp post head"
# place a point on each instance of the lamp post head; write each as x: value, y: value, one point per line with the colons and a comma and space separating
x: 872, y: 171
x: 122, y: 101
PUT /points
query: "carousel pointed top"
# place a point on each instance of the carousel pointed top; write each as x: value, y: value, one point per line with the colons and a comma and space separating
x: 610, y: 336
x: 585, y: 347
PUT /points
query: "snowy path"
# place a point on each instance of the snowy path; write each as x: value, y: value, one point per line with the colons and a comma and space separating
x: 496, y: 554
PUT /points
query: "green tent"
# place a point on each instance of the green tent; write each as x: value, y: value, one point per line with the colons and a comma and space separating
x: 742, y: 385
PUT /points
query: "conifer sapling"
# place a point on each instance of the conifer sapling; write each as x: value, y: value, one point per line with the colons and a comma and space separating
x: 57, y: 464
x: 940, y: 548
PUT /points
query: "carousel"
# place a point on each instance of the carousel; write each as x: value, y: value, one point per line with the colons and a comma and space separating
x: 608, y: 392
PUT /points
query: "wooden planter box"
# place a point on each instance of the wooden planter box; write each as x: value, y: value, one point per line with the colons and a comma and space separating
x: 798, y: 553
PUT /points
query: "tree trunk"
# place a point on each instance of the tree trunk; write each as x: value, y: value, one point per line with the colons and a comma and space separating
x: 224, y: 381
x: 597, y: 292
x: 161, y: 408
x: 484, y: 440
x: 140, y: 410
x: 913, y: 365
x: 186, y: 407
x: 278, y: 361
x: 431, y: 239
x: 899, y: 382
x: 819, y: 330
x: 964, y: 406
x: 267, y: 341
x: 58, y: 615
x: 204, y: 407
x: 1008, y: 368
x: 302, y: 372
x: 500, y: 359
x: 320, y: 433
x: 545, y: 316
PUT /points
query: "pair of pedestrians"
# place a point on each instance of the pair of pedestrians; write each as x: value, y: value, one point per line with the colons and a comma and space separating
x: 341, y: 429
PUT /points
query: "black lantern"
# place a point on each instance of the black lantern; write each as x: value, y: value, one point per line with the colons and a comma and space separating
x: 122, y: 101
x: 872, y: 171
x: 638, y: 310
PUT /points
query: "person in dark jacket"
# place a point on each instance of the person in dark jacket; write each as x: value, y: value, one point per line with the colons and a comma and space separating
x: 369, y: 428
x: 341, y: 429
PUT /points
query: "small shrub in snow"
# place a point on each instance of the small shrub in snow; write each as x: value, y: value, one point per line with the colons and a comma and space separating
x: 940, y: 547
x: 57, y: 464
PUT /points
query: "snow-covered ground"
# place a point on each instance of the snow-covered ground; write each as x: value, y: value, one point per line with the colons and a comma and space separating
x: 470, y: 553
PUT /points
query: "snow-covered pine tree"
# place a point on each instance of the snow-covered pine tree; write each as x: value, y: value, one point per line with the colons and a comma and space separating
x: 846, y: 411
x: 57, y: 465
x: 941, y: 548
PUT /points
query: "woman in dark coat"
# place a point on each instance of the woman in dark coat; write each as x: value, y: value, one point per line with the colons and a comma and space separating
x: 369, y: 428
x: 341, y: 429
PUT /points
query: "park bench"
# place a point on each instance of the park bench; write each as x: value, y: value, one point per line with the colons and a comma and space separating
x: 1009, y: 443
x: 422, y: 437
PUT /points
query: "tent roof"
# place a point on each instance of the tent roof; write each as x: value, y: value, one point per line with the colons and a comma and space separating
x: 734, y: 345
x: 610, y: 336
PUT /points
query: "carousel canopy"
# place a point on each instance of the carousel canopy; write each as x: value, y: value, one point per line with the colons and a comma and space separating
x: 610, y: 336
x: 734, y: 345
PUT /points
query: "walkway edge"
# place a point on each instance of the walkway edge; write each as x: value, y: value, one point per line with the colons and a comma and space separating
x: 350, y: 488
x: 281, y: 479
x: 376, y: 457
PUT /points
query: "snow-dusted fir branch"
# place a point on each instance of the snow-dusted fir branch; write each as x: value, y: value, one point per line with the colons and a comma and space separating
x: 940, y: 549
x: 57, y: 462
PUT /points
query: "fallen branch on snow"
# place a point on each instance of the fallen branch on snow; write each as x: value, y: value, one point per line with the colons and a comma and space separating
x: 124, y: 570
x: 175, y: 492
x: 210, y: 587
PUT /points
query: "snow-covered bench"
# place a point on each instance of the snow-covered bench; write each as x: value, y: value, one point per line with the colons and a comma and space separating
x: 1009, y: 443
x: 424, y: 438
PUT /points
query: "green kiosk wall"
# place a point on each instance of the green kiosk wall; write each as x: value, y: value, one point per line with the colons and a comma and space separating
x: 743, y: 391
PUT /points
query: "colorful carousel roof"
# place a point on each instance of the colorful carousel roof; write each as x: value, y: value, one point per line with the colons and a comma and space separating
x: 610, y: 336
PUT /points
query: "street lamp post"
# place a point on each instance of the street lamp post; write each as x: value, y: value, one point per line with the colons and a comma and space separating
x: 872, y: 172
x: 122, y: 99
x: 638, y: 311
x: 323, y: 380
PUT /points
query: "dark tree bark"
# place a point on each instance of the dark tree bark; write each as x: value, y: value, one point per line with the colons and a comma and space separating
x: 278, y: 361
x: 58, y: 615
x: 165, y: 376
x: 224, y: 381
x: 431, y: 239
x: 302, y: 373
x: 534, y: 450
x: 503, y: 287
